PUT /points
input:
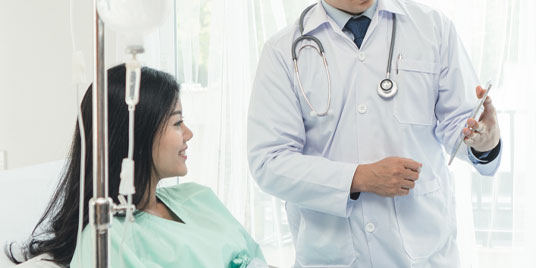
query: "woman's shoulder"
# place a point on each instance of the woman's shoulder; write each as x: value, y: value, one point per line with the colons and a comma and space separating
x: 184, y: 191
x: 193, y: 197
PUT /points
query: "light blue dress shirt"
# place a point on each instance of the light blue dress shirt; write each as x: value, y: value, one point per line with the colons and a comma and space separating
x: 341, y: 18
x: 310, y: 161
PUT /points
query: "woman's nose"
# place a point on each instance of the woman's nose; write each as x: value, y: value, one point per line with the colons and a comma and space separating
x: 188, y: 134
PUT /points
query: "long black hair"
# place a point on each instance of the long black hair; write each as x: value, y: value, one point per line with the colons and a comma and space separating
x: 56, y: 231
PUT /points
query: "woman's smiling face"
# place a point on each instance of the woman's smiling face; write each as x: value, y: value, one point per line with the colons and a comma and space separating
x: 169, y: 148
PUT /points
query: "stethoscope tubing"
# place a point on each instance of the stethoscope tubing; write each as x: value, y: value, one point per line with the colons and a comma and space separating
x: 391, y: 48
x: 384, y: 93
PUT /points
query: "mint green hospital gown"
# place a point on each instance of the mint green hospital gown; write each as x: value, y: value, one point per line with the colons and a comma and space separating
x: 210, y: 236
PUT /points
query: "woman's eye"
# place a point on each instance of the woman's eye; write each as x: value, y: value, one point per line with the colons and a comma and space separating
x: 178, y: 123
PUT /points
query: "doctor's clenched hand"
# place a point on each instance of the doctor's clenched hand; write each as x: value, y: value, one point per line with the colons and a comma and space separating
x: 483, y: 135
x: 388, y: 177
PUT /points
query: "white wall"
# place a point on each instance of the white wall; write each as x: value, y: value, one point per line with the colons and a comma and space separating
x: 37, y: 97
x: 37, y: 107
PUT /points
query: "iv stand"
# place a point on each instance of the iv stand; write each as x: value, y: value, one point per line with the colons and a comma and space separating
x: 100, y: 206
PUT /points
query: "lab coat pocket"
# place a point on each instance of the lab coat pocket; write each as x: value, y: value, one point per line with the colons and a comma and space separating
x: 423, y: 187
x: 324, y: 241
x: 417, y: 91
x: 422, y: 218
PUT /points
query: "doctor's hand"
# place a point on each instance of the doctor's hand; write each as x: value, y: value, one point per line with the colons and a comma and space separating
x: 483, y: 135
x: 389, y: 177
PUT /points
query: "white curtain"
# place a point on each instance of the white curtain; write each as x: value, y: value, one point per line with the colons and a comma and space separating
x: 218, y: 44
x: 497, y: 215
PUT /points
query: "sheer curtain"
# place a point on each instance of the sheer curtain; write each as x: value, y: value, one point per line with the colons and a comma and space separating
x: 217, y: 47
x: 497, y: 215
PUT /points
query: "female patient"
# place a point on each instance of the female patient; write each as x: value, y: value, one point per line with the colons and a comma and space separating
x: 180, y: 226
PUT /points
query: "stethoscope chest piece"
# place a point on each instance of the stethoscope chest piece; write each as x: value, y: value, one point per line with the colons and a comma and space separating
x: 387, y: 88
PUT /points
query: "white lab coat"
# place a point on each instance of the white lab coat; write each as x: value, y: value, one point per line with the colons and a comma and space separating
x: 310, y: 161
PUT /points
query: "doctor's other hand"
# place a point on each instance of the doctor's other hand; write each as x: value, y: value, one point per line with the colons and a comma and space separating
x: 483, y: 135
x: 388, y: 177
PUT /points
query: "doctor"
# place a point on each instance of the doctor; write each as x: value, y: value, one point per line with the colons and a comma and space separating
x: 358, y: 159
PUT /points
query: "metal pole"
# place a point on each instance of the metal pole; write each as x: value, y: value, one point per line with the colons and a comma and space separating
x: 100, y: 207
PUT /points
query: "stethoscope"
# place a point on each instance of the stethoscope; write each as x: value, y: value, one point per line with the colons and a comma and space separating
x: 387, y: 88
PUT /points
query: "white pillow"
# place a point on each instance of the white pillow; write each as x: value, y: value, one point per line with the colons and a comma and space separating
x: 38, y: 262
x: 25, y: 194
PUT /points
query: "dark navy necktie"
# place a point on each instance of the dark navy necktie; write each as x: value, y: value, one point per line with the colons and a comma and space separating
x: 358, y: 27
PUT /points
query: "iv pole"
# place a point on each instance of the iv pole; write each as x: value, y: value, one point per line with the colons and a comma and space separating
x: 100, y: 206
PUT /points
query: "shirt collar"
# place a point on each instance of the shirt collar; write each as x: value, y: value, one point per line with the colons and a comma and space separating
x: 341, y: 18
x: 392, y: 6
x: 318, y: 15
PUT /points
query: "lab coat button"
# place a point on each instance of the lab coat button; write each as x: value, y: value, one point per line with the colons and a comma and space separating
x: 370, y: 227
x: 362, y: 108
x: 362, y: 56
